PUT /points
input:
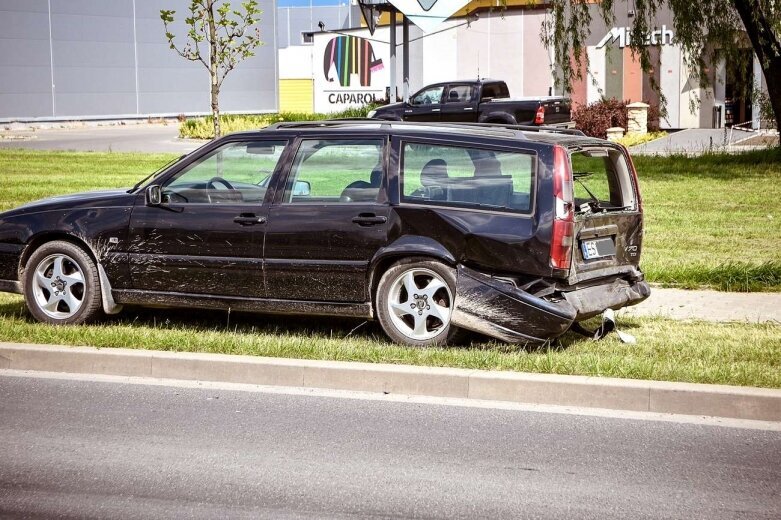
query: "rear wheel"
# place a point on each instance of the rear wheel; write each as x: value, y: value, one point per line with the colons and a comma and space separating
x: 61, y: 284
x: 415, y: 302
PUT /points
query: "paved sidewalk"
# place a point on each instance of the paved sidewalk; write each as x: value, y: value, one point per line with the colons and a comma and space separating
x: 709, y: 306
x: 694, y: 141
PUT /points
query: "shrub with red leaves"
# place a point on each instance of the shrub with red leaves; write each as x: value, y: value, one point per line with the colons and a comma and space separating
x: 596, y: 118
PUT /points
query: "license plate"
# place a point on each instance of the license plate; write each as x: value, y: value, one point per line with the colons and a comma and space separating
x: 598, y: 248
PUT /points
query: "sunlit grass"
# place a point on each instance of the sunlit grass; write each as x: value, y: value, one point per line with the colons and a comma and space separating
x: 698, y: 352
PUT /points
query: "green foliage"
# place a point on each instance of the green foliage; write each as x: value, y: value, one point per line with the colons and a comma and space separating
x: 636, y: 139
x: 202, y: 128
x: 707, y: 32
x: 228, y: 35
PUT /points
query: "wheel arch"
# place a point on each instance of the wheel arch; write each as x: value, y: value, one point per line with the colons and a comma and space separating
x: 35, y: 242
x: 409, y: 246
x: 40, y: 239
x: 498, y: 117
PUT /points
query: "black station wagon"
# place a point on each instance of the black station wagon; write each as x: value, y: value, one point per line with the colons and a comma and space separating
x: 432, y: 229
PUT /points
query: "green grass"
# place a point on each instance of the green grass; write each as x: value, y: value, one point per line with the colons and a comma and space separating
x: 713, y: 220
x: 710, y: 221
x: 733, y: 354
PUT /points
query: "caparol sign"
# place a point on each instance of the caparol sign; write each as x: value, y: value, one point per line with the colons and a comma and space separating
x: 353, y: 72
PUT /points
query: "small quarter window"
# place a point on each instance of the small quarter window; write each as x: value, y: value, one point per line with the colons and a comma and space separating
x: 472, y: 177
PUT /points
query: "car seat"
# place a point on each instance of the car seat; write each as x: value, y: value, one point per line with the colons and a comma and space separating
x: 434, y: 179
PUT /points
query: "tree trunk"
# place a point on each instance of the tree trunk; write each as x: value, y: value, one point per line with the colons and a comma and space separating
x: 767, y: 48
x: 215, y: 85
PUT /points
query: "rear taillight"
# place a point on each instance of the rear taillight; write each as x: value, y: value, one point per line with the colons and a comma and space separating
x: 539, y: 119
x: 564, y: 211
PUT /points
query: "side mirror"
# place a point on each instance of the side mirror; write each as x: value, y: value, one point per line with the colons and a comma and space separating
x: 302, y: 189
x: 154, y: 195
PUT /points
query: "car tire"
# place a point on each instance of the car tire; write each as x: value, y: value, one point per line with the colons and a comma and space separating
x: 61, y: 284
x: 414, y: 302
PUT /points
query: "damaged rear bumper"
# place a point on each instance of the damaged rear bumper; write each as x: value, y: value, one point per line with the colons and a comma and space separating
x: 495, y: 308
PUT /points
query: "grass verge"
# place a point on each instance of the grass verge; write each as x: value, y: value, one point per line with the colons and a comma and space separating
x: 667, y: 350
x: 710, y: 221
x: 202, y: 127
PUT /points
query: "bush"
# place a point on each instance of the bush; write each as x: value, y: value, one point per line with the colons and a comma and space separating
x: 596, y: 118
x: 202, y: 128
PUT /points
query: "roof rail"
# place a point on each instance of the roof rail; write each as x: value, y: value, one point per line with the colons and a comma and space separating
x: 363, y: 120
x: 530, y: 128
x: 327, y: 122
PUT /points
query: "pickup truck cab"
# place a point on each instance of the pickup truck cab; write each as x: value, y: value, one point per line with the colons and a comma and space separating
x: 481, y: 101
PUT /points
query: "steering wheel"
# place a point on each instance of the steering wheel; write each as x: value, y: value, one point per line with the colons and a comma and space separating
x: 212, y: 184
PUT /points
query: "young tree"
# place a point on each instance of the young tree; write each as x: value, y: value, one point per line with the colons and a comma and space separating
x: 227, y: 35
x: 707, y: 31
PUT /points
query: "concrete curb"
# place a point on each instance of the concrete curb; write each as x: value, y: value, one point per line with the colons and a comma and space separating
x: 593, y: 392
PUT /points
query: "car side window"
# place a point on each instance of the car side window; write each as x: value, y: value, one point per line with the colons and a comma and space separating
x: 460, y: 94
x: 429, y: 96
x: 336, y: 171
x: 464, y: 176
x: 236, y: 173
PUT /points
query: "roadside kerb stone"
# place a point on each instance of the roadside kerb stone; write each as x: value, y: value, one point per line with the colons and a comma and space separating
x: 577, y: 391
x: 589, y: 392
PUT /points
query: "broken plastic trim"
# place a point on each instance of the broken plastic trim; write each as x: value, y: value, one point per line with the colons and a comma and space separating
x: 608, y: 325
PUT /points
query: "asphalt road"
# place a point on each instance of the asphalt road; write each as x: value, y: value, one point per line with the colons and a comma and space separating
x: 85, y: 449
x: 120, y: 138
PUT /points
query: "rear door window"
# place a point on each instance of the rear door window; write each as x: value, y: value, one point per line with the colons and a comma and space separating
x: 467, y: 177
x: 601, y: 181
x: 336, y: 171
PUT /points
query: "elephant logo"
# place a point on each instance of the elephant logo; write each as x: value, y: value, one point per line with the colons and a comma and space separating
x: 347, y: 55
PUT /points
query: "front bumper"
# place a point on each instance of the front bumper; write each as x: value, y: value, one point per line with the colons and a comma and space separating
x: 489, y: 306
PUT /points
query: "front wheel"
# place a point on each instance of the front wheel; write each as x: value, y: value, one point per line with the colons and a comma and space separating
x: 61, y: 284
x: 415, y: 301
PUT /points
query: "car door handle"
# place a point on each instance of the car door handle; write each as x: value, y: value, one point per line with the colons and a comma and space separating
x: 436, y: 109
x: 369, y: 220
x: 249, y: 219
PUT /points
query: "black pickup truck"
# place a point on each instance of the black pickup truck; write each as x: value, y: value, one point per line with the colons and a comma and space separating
x: 481, y: 101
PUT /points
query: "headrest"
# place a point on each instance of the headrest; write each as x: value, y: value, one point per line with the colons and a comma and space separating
x: 434, y: 173
x: 488, y: 167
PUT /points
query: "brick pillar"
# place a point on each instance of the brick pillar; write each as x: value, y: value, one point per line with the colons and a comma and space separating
x: 637, y: 118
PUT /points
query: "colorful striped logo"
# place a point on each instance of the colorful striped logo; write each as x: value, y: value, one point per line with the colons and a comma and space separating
x: 347, y: 55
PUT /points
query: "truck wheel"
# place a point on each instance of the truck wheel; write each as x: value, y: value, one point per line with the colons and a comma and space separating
x: 415, y: 301
x: 61, y: 284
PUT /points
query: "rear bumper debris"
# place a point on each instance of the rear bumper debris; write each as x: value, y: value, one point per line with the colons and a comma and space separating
x: 498, y: 309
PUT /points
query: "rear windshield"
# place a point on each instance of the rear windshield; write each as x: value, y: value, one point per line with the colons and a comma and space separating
x: 601, y: 180
x: 467, y: 177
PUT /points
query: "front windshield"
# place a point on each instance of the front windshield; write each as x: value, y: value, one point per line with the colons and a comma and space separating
x: 149, y: 179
